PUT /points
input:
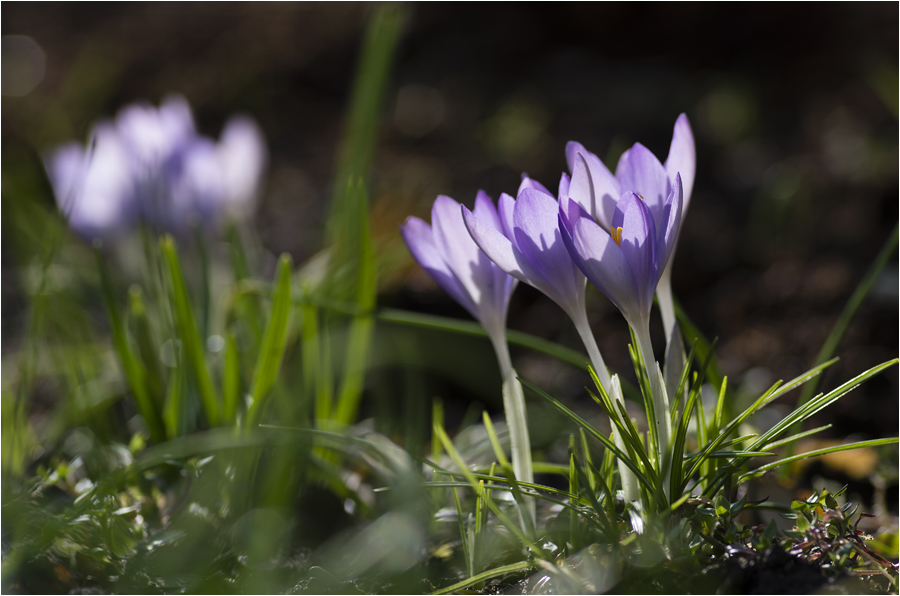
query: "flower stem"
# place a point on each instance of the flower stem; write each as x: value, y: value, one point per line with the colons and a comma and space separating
x: 660, y: 400
x: 629, y: 481
x: 516, y: 417
x: 666, y: 302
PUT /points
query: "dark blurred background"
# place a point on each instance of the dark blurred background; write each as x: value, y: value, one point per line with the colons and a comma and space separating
x: 793, y: 106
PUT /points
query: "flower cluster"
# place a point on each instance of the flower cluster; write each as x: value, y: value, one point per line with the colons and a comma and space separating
x: 150, y: 165
x: 617, y: 231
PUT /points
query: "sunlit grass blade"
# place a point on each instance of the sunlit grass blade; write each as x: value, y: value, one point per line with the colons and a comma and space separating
x: 231, y: 383
x: 134, y: 372
x: 606, y: 442
x: 525, y: 340
x: 797, y: 437
x: 272, y: 350
x: 147, y: 348
x: 858, y: 445
x: 479, y: 491
x: 191, y: 343
x: 174, y: 410
x: 840, y: 326
x: 357, y: 350
x: 489, y: 574
x: 817, y: 404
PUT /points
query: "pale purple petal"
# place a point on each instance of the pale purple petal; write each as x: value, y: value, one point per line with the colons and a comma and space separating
x: 459, y: 252
x: 539, y: 239
x: 419, y: 238
x: 598, y: 256
x: 606, y: 187
x: 505, y: 208
x: 638, y: 243
x: 682, y: 157
x: 564, y: 183
x: 242, y: 150
x: 670, y: 226
x: 581, y: 189
x: 197, y: 183
x: 529, y: 183
x: 102, y: 205
x: 499, y: 249
x: 66, y: 168
x: 640, y: 172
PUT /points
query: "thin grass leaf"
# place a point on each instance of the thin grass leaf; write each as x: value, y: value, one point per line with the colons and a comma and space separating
x: 819, y: 403
x: 231, y: 382
x: 479, y: 491
x: 147, y: 349
x: 843, y: 321
x: 858, y: 445
x: 134, y: 372
x: 191, y: 344
x: 594, y: 433
x: 271, y: 352
x: 796, y: 437
x: 490, y: 574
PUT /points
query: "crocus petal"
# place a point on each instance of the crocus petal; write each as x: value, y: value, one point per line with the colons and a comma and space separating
x: 242, y: 151
x: 539, y: 239
x: 564, y: 183
x: 459, y: 252
x: 197, y: 184
x: 638, y: 243
x: 529, y: 183
x: 499, y: 249
x: 606, y: 187
x: 419, y: 238
x: 66, y: 169
x: 505, y: 208
x: 598, y: 256
x: 682, y: 157
x: 670, y: 225
x: 639, y: 171
x: 581, y: 188
x: 102, y: 206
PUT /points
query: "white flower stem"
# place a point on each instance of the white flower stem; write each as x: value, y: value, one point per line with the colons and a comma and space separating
x: 660, y: 400
x: 666, y: 302
x: 516, y: 417
x: 630, y: 484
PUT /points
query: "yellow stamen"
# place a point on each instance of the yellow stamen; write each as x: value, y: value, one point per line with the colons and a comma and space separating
x: 616, y: 234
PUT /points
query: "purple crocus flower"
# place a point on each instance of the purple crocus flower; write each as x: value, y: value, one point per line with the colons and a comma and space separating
x: 529, y: 247
x: 641, y: 172
x: 150, y: 164
x: 447, y: 252
x: 625, y: 263
x: 452, y: 259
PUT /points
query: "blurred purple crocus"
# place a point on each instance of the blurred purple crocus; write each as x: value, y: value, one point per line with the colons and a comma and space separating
x: 151, y: 165
x: 625, y: 263
x: 447, y: 252
x: 639, y: 171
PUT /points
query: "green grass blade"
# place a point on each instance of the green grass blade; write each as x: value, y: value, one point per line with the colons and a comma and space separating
x: 525, y: 340
x: 858, y: 445
x: 797, y: 437
x: 174, y: 409
x: 594, y: 433
x: 489, y: 574
x: 134, y: 372
x: 798, y: 416
x: 272, y: 349
x: 231, y: 384
x: 147, y: 348
x: 856, y: 299
x: 191, y: 343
